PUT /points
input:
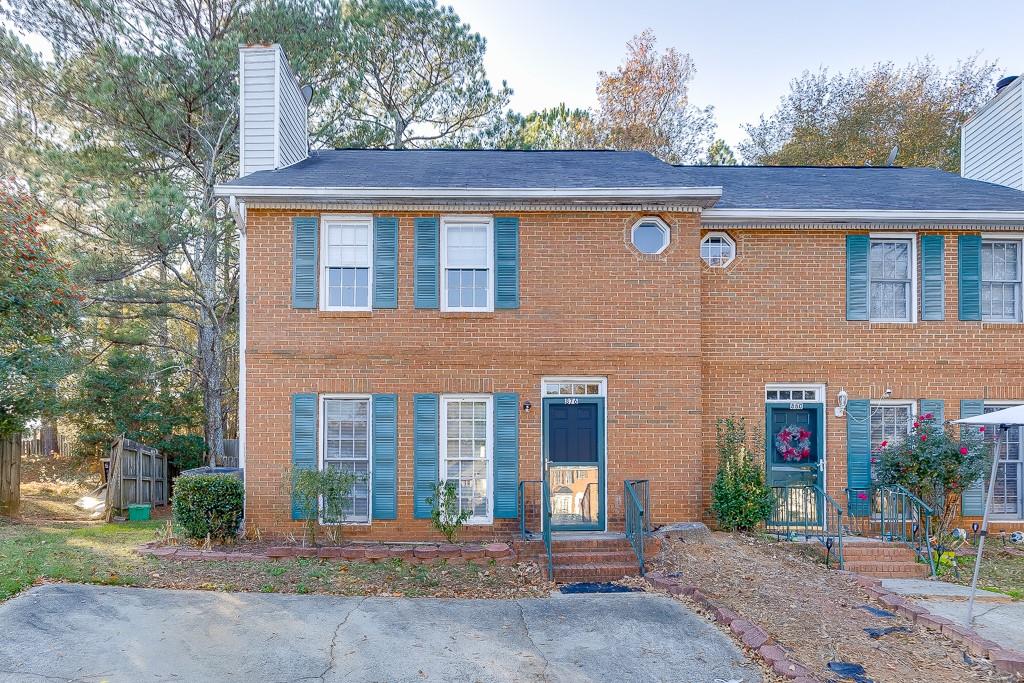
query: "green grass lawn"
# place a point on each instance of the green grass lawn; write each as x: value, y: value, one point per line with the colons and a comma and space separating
x: 97, y: 553
x: 105, y: 554
x: 1002, y: 571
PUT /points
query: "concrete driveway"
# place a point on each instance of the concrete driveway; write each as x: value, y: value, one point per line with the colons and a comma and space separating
x: 93, y: 633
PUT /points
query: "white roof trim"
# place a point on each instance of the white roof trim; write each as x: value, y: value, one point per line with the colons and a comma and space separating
x: 240, y: 191
x: 727, y: 216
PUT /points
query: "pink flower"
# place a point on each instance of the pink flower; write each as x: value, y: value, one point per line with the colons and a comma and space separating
x: 874, y: 460
x: 963, y: 450
x: 981, y: 428
x: 924, y: 437
x: 884, y: 444
x: 862, y: 495
x: 916, y: 425
x: 928, y: 416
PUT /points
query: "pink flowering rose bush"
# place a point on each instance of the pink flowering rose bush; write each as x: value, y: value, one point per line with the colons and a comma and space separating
x: 935, y: 464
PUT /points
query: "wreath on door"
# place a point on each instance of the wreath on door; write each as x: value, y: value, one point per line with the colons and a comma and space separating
x: 793, y: 443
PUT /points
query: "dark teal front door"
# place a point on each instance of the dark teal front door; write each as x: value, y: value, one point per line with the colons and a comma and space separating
x: 795, y: 447
x: 574, y: 461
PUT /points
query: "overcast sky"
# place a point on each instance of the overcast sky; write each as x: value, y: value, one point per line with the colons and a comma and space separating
x: 746, y: 52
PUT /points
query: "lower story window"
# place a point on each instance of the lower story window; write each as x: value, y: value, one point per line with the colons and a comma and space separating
x: 890, y: 424
x: 346, y: 442
x: 1006, y: 498
x: 466, y: 452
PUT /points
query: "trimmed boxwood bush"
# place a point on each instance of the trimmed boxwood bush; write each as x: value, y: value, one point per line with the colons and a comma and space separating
x: 208, y: 505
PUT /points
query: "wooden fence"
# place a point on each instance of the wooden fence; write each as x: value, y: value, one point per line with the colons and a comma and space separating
x: 136, y: 474
x: 10, y: 475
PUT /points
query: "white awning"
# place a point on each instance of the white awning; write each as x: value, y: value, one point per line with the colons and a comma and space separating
x: 1014, y: 415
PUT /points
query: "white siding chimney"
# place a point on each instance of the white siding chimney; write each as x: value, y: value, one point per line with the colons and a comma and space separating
x: 992, y: 141
x: 272, y: 110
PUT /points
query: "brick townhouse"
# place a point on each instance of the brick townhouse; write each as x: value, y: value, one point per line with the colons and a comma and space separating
x: 583, y: 318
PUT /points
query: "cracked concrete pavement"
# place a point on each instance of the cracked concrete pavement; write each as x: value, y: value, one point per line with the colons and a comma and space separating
x: 94, y: 633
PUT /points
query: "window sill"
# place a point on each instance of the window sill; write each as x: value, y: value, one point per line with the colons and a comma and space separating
x: 346, y: 314
x: 467, y: 314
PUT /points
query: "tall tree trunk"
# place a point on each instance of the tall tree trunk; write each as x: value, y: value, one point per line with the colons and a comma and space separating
x: 211, y: 345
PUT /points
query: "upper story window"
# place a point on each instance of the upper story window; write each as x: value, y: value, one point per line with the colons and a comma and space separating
x: 1001, y: 280
x: 891, y: 279
x: 347, y: 263
x: 467, y: 263
x: 717, y: 249
x: 650, y: 236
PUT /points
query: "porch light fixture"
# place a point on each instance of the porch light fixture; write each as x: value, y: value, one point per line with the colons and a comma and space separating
x: 842, y: 398
x: 526, y: 406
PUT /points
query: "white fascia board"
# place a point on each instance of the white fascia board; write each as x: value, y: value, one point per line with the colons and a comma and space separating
x: 732, y: 216
x: 327, y: 193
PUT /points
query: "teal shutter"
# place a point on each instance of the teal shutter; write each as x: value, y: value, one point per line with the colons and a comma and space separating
x: 426, y: 263
x: 506, y: 455
x: 933, y: 277
x: 303, y: 440
x: 973, y: 499
x: 937, y: 408
x: 858, y: 456
x: 385, y: 262
x: 969, y: 276
x: 305, y: 242
x: 385, y: 450
x: 506, y: 263
x: 857, y: 276
x: 425, y: 453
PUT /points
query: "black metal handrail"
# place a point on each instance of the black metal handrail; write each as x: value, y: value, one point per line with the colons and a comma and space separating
x: 892, y: 513
x: 806, y: 509
x: 546, y: 506
x: 524, y: 532
x: 636, y: 500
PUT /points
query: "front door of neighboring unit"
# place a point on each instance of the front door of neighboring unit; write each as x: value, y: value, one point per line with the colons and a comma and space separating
x: 574, y: 461
x: 794, y: 455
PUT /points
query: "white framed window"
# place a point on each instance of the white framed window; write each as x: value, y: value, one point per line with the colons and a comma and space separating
x: 467, y: 452
x: 346, y: 444
x: 892, y: 278
x: 346, y: 248
x: 799, y: 393
x: 467, y: 263
x: 585, y: 386
x: 1001, y: 280
x: 889, y: 423
x: 650, y: 235
x: 1009, y: 489
x: 717, y: 249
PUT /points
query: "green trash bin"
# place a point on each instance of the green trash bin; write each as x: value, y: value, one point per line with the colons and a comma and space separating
x: 138, y: 512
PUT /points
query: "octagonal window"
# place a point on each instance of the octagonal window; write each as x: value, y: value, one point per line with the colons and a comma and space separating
x: 717, y: 249
x: 650, y: 236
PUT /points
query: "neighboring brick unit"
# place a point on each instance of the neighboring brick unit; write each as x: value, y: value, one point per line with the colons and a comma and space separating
x: 590, y: 306
x: 777, y: 315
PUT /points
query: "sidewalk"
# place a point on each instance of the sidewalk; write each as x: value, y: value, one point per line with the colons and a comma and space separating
x: 996, y: 616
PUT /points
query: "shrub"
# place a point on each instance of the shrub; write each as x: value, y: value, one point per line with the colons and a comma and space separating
x: 935, y: 465
x: 445, y: 514
x: 184, y: 451
x: 740, y: 498
x: 208, y: 505
x: 309, y: 487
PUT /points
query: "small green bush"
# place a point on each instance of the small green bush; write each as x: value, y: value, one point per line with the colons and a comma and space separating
x: 208, y: 505
x: 740, y: 498
x: 444, y: 510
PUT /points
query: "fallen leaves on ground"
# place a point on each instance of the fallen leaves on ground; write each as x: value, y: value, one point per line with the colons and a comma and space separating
x: 815, y: 612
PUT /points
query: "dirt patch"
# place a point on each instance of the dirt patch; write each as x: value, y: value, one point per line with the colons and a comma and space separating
x: 816, y: 613
x: 49, y: 500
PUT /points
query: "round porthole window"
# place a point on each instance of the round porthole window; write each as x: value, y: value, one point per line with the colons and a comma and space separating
x: 650, y: 236
x: 717, y: 249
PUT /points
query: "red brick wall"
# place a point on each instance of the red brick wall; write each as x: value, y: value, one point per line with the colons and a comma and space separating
x: 778, y: 314
x: 590, y: 306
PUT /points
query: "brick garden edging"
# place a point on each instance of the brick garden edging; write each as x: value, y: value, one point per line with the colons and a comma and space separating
x: 1004, y: 659
x: 751, y: 635
x: 418, y: 553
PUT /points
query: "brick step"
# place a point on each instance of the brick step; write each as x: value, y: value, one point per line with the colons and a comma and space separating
x: 594, y: 557
x: 568, y: 573
x: 880, y: 557
x: 888, y: 570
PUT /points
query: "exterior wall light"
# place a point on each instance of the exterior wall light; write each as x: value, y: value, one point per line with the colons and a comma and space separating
x: 526, y: 406
x: 842, y: 398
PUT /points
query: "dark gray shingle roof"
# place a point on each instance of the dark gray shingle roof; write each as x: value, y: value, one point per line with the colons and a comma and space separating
x: 864, y: 188
x: 743, y: 187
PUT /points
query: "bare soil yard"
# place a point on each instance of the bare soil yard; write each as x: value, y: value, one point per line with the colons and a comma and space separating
x: 816, y: 613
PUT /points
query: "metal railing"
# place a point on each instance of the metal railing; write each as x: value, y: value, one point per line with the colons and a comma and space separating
x: 636, y: 500
x: 545, y: 518
x: 524, y: 531
x: 807, y: 510
x: 906, y: 519
x: 546, y: 524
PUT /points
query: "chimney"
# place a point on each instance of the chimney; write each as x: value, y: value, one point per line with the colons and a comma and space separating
x: 992, y: 140
x: 273, y: 111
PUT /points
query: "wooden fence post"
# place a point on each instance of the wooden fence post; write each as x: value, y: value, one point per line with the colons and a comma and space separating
x: 10, y: 475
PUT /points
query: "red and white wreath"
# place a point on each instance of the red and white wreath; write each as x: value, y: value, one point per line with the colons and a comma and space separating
x: 793, y: 443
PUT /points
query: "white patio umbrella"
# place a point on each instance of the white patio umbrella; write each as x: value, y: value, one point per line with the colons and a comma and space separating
x: 1003, y: 419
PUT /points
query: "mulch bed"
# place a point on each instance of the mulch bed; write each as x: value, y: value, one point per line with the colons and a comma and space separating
x: 816, y: 615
